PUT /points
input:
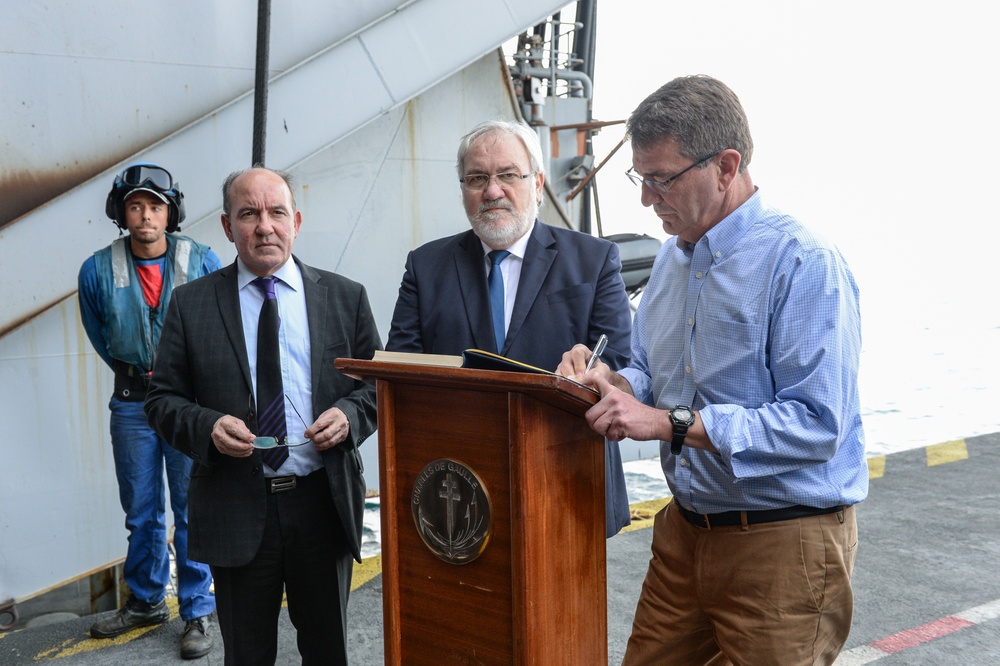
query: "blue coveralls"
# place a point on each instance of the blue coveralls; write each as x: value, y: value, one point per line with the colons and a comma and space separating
x: 125, y: 331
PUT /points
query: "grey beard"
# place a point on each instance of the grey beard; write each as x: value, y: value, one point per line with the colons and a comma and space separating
x: 489, y: 228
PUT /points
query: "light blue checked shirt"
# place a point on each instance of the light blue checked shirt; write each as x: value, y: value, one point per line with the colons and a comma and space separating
x: 295, y: 344
x: 756, y: 326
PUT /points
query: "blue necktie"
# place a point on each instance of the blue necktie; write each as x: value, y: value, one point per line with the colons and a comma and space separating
x: 495, y: 282
x: 270, y: 392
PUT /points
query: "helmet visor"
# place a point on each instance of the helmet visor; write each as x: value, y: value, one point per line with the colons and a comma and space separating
x: 147, y: 174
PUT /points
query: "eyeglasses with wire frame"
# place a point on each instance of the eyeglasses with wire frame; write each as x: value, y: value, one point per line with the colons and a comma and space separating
x: 663, y: 186
x: 268, y: 442
x: 477, y: 182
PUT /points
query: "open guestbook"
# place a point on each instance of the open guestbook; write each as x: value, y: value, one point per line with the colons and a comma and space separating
x: 477, y: 359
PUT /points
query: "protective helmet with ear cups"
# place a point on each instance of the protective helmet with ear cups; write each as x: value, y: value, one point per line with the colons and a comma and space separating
x: 151, y: 178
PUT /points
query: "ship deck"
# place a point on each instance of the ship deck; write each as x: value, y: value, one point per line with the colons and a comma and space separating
x: 926, y: 583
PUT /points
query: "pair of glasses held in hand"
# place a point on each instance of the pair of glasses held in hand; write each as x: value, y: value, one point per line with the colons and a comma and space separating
x: 268, y: 442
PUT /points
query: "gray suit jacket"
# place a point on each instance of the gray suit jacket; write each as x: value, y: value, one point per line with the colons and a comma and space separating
x: 202, y: 373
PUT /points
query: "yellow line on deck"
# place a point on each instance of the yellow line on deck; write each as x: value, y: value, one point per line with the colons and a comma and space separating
x: 876, y: 467
x: 936, y: 454
x: 939, y: 454
x: 643, y: 512
x: 74, y: 646
x: 364, y: 571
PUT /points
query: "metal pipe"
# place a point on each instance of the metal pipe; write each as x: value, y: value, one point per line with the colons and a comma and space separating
x: 260, y: 81
x: 586, y: 16
x: 565, y: 74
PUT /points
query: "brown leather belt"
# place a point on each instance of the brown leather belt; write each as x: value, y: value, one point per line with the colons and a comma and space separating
x: 730, y: 518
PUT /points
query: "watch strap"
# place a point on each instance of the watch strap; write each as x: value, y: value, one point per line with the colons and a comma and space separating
x: 680, y: 434
x: 679, y: 429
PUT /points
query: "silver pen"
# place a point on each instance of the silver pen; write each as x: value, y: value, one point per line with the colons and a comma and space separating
x: 602, y: 342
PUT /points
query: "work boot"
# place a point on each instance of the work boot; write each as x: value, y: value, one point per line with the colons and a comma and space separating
x: 132, y: 615
x: 196, y: 641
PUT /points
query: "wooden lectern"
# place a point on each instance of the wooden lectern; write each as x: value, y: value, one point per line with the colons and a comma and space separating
x: 492, y: 508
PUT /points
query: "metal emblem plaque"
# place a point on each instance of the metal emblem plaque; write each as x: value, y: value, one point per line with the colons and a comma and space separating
x: 452, y: 511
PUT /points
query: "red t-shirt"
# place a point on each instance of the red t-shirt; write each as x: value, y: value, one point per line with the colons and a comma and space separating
x: 151, y: 278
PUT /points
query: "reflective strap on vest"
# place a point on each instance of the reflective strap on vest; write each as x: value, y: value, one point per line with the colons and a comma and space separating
x: 119, y: 262
x: 182, y: 256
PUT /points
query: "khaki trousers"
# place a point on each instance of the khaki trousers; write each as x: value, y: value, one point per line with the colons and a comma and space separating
x: 774, y: 593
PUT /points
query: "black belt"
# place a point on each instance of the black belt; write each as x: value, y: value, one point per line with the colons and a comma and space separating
x: 282, y: 484
x: 729, y: 518
x: 131, y: 383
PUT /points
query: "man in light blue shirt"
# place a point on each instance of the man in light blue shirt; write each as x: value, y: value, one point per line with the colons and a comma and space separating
x: 745, y: 352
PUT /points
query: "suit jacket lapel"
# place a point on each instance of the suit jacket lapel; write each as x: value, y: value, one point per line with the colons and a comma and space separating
x: 316, y: 310
x: 227, y: 293
x: 472, y: 283
x: 538, y: 257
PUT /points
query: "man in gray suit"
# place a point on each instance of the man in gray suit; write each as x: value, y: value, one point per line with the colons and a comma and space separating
x: 265, y: 525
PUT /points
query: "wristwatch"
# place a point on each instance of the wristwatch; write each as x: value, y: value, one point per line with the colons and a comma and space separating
x: 681, y: 418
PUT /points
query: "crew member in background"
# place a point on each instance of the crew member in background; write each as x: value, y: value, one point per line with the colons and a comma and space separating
x: 745, y: 357
x: 552, y: 287
x: 124, y: 290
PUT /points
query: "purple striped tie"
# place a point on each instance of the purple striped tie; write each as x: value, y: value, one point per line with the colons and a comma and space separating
x: 270, y: 393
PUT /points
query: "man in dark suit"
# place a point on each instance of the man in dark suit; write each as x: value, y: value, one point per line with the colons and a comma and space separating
x: 512, y: 284
x: 268, y: 526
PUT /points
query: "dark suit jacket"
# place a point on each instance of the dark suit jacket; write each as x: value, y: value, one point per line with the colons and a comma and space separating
x: 570, y: 292
x: 202, y: 373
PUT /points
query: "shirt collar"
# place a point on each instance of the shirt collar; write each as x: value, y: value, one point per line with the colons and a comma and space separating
x: 724, y: 236
x: 519, y: 247
x: 288, y: 273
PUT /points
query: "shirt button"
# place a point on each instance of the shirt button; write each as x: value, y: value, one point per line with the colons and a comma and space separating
x: 684, y: 462
x: 699, y: 275
x: 718, y: 254
x: 687, y: 369
x: 690, y: 321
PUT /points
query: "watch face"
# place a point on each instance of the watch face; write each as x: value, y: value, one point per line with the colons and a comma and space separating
x: 682, y: 415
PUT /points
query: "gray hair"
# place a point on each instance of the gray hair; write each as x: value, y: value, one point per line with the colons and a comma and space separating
x: 528, y: 137
x: 227, y: 184
x: 699, y: 112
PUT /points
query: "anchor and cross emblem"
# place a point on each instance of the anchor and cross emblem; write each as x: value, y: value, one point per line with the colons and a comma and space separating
x: 452, y: 511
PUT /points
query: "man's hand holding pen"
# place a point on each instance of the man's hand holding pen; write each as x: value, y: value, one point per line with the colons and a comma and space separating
x: 583, y: 365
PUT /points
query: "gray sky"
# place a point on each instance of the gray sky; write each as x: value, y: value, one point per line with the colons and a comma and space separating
x: 872, y: 121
